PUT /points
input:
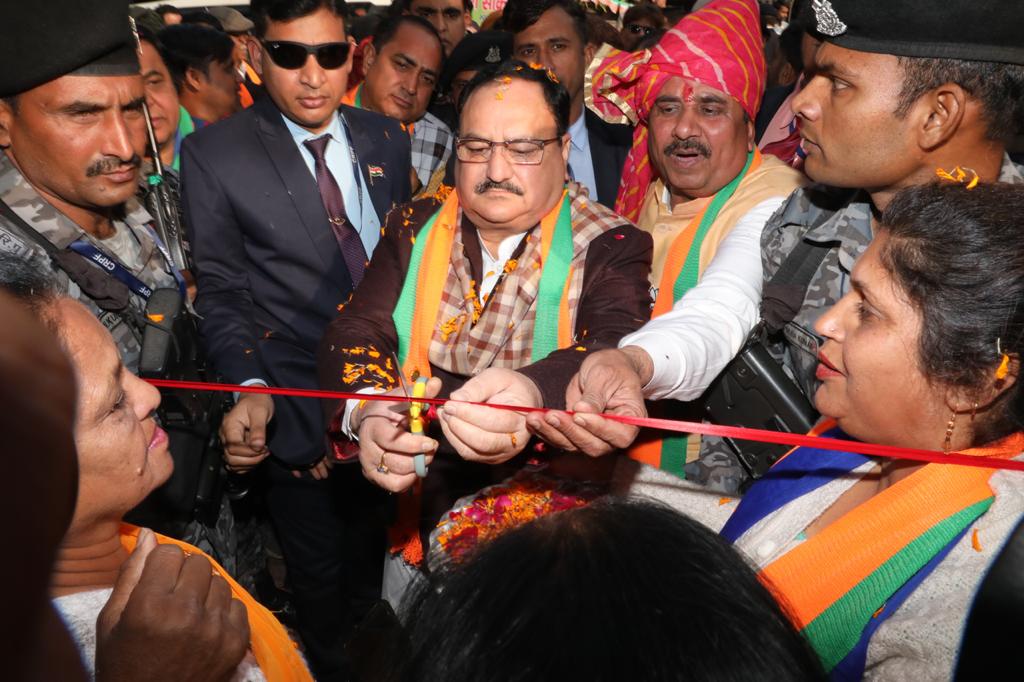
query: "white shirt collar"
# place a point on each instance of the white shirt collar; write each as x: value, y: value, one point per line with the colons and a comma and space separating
x: 300, y: 134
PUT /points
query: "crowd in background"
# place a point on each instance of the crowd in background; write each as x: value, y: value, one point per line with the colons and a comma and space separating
x: 794, y: 215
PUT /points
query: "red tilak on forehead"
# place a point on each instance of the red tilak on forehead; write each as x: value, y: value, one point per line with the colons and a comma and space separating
x: 688, y: 92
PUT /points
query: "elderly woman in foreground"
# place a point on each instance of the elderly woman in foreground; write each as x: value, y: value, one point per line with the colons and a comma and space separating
x: 878, y: 559
x: 110, y: 577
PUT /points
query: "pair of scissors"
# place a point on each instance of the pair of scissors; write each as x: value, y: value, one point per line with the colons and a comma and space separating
x: 419, y: 389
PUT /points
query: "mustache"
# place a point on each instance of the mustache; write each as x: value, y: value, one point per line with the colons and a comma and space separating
x: 109, y: 164
x: 688, y: 145
x: 491, y: 184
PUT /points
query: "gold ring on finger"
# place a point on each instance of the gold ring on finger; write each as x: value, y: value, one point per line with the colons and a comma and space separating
x: 382, y: 468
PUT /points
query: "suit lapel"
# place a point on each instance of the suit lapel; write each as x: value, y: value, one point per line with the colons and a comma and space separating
x: 368, y: 153
x: 605, y: 173
x: 302, y: 189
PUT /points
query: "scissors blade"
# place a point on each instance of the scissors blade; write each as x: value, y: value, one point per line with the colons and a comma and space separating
x: 402, y: 408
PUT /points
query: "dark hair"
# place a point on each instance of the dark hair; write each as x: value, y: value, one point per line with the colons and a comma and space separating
x: 644, y: 10
x: 400, y: 6
x: 958, y: 254
x: 387, y: 29
x: 520, y: 15
x: 186, y: 46
x: 31, y: 283
x: 673, y: 15
x: 616, y: 590
x: 265, y: 11
x: 167, y: 9
x: 150, y: 36
x: 199, y: 17
x: 650, y: 40
x: 999, y: 88
x: 599, y: 32
x: 555, y: 94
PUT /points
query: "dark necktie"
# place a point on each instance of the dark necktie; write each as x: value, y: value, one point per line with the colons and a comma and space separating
x: 348, y: 239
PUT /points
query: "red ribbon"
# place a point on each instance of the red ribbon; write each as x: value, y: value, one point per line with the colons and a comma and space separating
x: 737, y: 432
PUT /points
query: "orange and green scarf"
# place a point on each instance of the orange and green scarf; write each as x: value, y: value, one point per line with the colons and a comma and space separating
x: 842, y: 583
x: 680, y: 274
x: 416, y: 318
x: 415, y: 315
x: 276, y: 654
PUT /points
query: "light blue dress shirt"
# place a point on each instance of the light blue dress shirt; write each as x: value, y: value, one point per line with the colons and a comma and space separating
x: 580, y: 161
x: 358, y: 205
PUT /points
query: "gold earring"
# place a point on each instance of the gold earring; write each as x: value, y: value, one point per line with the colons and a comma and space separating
x: 949, y: 434
x: 974, y: 410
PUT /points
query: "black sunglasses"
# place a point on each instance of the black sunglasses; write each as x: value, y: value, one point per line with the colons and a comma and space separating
x: 289, y: 55
x: 637, y: 29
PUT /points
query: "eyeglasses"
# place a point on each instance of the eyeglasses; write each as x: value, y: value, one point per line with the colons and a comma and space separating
x: 637, y: 29
x: 289, y: 55
x: 519, y: 152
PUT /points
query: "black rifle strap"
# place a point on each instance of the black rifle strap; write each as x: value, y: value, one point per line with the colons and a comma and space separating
x: 784, y: 294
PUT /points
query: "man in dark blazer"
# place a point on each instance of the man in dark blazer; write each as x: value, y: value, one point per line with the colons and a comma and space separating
x: 284, y: 203
x: 554, y: 33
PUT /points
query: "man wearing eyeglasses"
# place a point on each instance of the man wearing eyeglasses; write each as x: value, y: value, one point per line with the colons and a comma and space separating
x: 554, y: 33
x: 284, y: 203
x: 640, y: 21
x: 514, y: 279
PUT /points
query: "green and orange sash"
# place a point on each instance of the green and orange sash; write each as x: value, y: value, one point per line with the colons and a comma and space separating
x: 840, y: 584
x: 415, y: 315
x: 275, y: 652
x: 680, y: 274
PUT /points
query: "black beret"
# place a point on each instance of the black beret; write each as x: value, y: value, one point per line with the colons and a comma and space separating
x: 476, y: 51
x: 973, y: 30
x: 41, y: 40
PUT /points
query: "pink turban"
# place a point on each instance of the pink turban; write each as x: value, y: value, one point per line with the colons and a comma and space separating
x: 718, y: 46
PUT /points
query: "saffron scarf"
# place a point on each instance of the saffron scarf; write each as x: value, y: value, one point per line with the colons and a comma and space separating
x: 680, y: 274
x: 416, y: 318
x: 844, y: 581
x: 415, y: 314
x: 276, y: 654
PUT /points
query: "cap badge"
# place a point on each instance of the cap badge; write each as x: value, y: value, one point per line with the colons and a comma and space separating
x: 493, y: 55
x: 828, y: 21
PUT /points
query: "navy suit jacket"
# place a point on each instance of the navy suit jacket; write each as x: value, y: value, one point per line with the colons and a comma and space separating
x: 269, y: 271
x: 609, y: 145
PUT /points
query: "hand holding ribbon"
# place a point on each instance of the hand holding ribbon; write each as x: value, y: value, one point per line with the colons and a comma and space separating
x: 386, y: 447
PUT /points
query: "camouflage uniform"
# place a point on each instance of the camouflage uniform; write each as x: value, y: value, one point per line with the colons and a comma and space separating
x: 841, y: 219
x: 148, y: 265
x: 151, y: 268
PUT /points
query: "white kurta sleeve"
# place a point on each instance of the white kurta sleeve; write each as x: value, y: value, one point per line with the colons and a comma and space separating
x: 692, y: 343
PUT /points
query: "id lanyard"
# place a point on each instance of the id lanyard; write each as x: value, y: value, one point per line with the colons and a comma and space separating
x: 358, y: 177
x: 111, y: 266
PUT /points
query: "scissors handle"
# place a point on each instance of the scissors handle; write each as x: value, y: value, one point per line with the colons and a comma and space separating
x: 419, y: 389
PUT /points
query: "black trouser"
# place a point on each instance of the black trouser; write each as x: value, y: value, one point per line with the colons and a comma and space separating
x: 332, y: 533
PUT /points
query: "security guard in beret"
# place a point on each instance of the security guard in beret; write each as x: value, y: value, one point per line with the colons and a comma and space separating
x: 902, y: 88
x: 73, y: 134
x: 473, y: 53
